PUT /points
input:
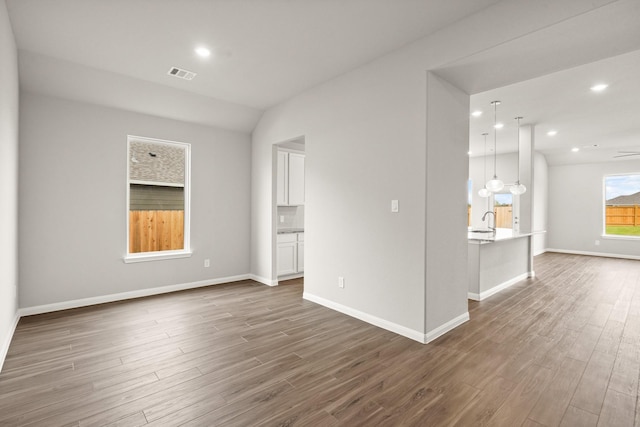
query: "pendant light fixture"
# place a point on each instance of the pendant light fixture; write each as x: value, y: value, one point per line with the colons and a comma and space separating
x: 483, y: 192
x: 518, y: 188
x: 495, y: 185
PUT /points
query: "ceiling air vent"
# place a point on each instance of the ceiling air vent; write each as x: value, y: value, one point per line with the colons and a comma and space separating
x: 182, y: 74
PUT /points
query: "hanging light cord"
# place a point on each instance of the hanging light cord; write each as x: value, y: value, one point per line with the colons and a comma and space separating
x: 484, y: 174
x: 518, y: 162
x: 495, y: 137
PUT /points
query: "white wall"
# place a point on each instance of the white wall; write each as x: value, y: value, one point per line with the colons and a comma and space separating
x: 540, y: 203
x: 366, y: 140
x: 8, y: 182
x: 576, y: 199
x: 447, y: 168
x: 73, y: 160
x: 364, y: 147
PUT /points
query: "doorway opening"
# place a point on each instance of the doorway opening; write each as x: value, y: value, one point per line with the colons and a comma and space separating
x: 289, y: 207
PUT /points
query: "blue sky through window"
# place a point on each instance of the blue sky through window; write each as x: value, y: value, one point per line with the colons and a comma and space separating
x: 621, y: 185
x: 503, y: 199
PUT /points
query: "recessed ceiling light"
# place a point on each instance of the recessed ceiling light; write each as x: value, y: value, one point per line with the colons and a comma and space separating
x: 575, y: 149
x: 599, y: 87
x: 498, y: 125
x: 476, y: 113
x: 203, y: 52
x: 552, y: 133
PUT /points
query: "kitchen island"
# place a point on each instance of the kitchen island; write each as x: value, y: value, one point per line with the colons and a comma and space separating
x: 496, y: 260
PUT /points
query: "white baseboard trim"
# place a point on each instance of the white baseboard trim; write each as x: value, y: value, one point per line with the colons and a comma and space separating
x: 290, y: 276
x: 500, y: 287
x: 263, y: 280
x: 65, y: 305
x: 365, y: 317
x: 600, y: 254
x: 443, y: 329
x: 385, y: 324
x: 4, y: 349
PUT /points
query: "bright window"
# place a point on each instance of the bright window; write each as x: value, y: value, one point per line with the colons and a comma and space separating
x: 503, y: 208
x: 622, y: 205
x: 157, y: 199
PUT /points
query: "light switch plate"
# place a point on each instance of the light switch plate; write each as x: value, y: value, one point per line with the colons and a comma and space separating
x: 394, y: 206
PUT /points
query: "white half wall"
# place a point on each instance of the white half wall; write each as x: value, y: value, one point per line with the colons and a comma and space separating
x: 576, y: 209
x: 8, y: 183
x: 73, y: 160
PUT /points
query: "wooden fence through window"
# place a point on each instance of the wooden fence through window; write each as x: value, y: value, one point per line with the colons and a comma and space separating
x: 504, y: 216
x: 615, y: 215
x: 623, y: 215
x: 151, y: 231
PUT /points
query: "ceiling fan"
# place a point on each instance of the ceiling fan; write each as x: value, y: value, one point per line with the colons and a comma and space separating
x: 627, y: 153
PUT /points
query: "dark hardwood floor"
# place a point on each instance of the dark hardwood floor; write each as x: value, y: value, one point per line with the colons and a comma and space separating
x: 560, y: 349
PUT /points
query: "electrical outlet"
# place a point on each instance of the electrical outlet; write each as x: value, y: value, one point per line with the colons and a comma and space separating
x: 281, y: 218
x: 207, y: 263
x: 341, y: 282
x: 597, y: 242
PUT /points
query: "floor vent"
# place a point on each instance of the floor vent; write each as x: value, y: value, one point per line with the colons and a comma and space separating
x: 181, y: 73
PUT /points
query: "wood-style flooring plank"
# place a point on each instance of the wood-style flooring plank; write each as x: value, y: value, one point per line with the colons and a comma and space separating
x: 562, y: 348
x: 517, y: 406
x: 576, y: 417
x: 554, y: 402
x: 591, y: 390
x: 618, y: 409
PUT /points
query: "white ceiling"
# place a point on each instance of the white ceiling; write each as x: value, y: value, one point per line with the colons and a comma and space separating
x: 265, y: 51
x: 117, y: 53
x: 599, y: 124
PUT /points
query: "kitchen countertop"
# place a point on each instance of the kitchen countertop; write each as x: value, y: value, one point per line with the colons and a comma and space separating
x: 490, y: 237
x: 290, y: 230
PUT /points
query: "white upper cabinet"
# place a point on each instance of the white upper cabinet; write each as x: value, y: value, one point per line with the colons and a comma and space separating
x: 296, y: 179
x: 283, y: 178
x: 290, y: 179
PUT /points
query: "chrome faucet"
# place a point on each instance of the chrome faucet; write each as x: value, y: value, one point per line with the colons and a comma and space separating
x: 494, y: 219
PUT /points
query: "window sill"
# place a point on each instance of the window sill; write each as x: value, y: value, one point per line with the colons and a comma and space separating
x: 620, y: 237
x: 156, y: 256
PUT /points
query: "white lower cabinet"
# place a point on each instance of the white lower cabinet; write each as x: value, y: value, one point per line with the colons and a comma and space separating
x: 290, y: 253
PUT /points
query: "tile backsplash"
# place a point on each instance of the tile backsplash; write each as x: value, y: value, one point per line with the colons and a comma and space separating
x: 293, y: 216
